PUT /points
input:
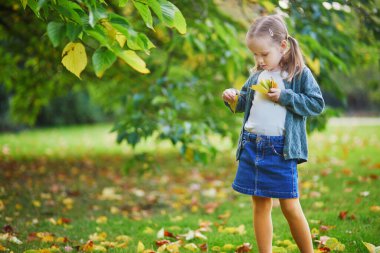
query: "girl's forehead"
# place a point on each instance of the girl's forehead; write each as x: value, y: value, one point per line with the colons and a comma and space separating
x: 260, y: 44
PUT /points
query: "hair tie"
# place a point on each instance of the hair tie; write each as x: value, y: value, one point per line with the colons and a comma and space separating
x: 271, y: 32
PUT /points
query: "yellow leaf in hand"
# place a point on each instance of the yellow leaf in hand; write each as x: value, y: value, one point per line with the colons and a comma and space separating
x: 234, y: 103
x: 259, y: 88
x: 273, y: 84
x: 74, y: 58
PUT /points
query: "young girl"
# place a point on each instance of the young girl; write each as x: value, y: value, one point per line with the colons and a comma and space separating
x: 273, y: 137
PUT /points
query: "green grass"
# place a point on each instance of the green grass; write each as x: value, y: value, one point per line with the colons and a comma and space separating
x: 43, y: 169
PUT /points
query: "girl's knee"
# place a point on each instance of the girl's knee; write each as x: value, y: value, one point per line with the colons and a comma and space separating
x: 261, y: 203
x: 291, y: 208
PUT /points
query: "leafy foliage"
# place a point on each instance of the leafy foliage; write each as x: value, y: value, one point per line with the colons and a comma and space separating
x: 178, y: 97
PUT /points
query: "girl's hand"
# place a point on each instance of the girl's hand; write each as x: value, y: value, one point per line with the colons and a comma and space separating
x: 274, y: 94
x: 229, y: 95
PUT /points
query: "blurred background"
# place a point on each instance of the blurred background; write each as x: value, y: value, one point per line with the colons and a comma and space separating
x: 340, y: 41
x: 179, y: 99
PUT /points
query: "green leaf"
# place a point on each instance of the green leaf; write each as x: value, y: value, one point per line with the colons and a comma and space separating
x: 70, y: 10
x: 156, y: 7
x: 102, y: 59
x: 123, y: 3
x: 24, y: 3
x: 179, y: 22
x: 135, y: 40
x: 133, y: 60
x: 98, y: 33
x: 121, y: 24
x: 56, y: 32
x: 73, y: 30
x: 34, y: 7
x: 145, y: 13
x: 96, y: 13
x: 171, y: 16
x: 41, y: 3
x: 168, y: 12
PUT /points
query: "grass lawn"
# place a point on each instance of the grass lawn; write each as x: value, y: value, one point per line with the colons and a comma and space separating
x: 73, y: 189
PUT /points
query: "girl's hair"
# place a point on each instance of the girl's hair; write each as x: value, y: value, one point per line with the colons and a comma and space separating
x: 274, y: 27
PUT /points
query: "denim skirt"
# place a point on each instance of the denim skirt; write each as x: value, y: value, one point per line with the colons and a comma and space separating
x: 262, y: 169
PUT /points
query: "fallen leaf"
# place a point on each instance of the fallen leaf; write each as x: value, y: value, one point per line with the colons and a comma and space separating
x: 88, y: 247
x: 102, y: 219
x: 343, y: 215
x: 203, y: 247
x: 215, y: 248
x: 159, y: 243
x: 228, y: 247
x: 246, y: 247
x: 374, y: 208
x: 140, y: 247
x: 191, y: 246
x: 371, y: 248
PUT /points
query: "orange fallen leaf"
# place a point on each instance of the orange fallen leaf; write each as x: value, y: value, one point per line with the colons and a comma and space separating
x: 246, y: 247
x: 88, y: 247
x: 159, y: 243
x: 203, y: 247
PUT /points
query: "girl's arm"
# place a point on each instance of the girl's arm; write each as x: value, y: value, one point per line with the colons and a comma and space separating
x: 240, y: 107
x: 308, y: 103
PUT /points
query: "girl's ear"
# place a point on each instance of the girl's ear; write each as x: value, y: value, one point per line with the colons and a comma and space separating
x: 284, y: 45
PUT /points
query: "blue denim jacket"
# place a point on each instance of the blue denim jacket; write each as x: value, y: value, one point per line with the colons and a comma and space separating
x: 301, y: 97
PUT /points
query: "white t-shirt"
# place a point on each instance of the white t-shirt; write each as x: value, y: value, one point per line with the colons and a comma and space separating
x: 267, y: 117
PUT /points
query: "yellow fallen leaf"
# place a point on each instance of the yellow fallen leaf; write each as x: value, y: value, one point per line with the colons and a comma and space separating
x: 36, y: 203
x: 98, y: 236
x: 102, y: 219
x: 123, y: 238
x: 99, y: 248
x: 375, y: 208
x: 191, y: 247
x: 215, y: 248
x: 2, y: 248
x: 228, y: 247
x: 74, y: 58
x: 172, y: 247
x: 371, y: 248
x: 140, y: 247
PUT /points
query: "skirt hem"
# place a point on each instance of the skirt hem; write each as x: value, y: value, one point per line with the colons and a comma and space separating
x: 268, y: 194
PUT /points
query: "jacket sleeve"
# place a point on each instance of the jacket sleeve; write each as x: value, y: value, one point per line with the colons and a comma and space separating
x: 243, y: 94
x: 307, y: 103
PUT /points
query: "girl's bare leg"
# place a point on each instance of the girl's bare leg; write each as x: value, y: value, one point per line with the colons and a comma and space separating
x: 262, y: 223
x: 292, y: 210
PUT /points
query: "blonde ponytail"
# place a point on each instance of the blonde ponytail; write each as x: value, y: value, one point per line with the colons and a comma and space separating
x: 292, y: 61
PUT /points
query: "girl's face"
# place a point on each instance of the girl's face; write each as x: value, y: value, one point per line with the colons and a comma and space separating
x: 267, y: 52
